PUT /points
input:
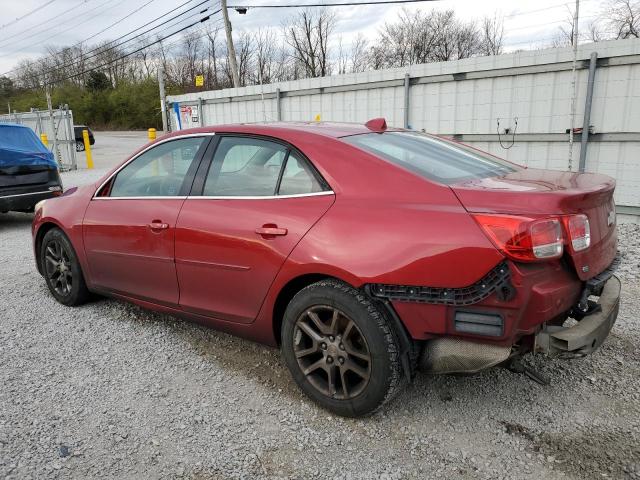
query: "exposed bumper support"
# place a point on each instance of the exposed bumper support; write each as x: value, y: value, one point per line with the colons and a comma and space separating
x: 590, y: 332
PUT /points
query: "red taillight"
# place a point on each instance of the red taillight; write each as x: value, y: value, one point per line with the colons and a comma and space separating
x: 524, y: 239
x: 577, y: 227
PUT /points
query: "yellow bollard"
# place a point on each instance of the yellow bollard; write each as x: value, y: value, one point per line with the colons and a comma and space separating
x: 87, y: 148
x: 152, y: 134
x: 45, y: 140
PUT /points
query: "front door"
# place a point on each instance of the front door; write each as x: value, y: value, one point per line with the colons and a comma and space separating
x: 129, y: 226
x: 258, y: 200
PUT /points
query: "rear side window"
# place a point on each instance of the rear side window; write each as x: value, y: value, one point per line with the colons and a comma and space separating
x: 255, y: 167
x: 298, y: 178
x: 245, y: 167
x: 433, y: 158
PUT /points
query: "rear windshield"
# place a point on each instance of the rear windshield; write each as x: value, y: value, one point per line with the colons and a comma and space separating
x: 434, y: 158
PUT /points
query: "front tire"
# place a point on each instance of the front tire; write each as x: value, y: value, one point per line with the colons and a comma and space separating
x: 62, y: 270
x: 340, y: 349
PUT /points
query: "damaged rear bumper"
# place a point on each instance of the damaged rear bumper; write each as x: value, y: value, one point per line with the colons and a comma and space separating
x: 589, y: 333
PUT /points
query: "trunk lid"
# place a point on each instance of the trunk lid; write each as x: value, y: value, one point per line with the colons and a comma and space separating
x: 536, y: 193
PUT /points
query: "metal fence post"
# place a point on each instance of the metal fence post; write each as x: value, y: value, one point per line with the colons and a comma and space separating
x: 201, y: 111
x: 406, y: 100
x: 278, y: 110
x: 593, y: 60
x: 71, y: 144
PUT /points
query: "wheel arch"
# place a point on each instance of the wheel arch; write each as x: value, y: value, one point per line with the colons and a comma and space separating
x: 41, y: 232
x: 286, y: 294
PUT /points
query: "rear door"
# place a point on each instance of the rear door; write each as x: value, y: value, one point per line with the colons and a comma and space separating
x: 251, y: 205
x: 129, y: 226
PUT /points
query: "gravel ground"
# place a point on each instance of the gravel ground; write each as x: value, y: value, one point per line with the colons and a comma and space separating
x: 110, y: 390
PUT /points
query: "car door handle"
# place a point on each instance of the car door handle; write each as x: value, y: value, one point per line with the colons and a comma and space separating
x: 158, y: 225
x: 271, y: 230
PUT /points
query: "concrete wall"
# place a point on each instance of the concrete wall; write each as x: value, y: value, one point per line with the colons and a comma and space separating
x: 465, y: 99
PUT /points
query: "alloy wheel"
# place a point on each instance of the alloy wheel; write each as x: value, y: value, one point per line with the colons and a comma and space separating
x: 58, y: 268
x: 332, y: 352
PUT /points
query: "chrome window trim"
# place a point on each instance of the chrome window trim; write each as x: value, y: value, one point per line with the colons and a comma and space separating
x: 150, y: 197
x: 212, y: 197
x: 258, y: 197
x: 154, y: 144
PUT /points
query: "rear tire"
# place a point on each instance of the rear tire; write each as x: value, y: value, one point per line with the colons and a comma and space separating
x: 79, y: 146
x: 340, y: 349
x: 62, y: 270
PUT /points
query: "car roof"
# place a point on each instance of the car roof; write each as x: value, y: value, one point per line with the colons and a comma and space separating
x: 326, y: 129
x: 15, y: 125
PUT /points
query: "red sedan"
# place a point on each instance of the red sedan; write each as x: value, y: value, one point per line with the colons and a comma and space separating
x: 363, y: 252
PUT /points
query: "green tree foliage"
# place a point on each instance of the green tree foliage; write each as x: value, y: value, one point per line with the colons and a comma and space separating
x: 98, y: 81
x: 130, y: 105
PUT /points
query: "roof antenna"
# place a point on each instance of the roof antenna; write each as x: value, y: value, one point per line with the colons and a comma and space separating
x: 376, y: 124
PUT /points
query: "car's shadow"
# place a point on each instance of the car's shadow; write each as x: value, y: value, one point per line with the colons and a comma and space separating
x: 251, y: 362
x: 11, y: 221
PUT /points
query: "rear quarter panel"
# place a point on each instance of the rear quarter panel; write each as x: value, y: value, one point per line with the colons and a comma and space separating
x: 387, y: 225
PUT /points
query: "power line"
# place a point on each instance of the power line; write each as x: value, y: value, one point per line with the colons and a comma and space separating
x: 138, y: 49
x: 117, y: 22
x: 75, y: 25
x: 349, y: 4
x: 50, y: 19
x: 100, y: 50
x: 544, y: 9
x: 37, y: 9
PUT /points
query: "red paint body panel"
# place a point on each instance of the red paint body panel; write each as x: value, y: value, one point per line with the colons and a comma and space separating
x: 224, y: 267
x: 125, y: 255
x: 536, y: 192
x: 383, y: 224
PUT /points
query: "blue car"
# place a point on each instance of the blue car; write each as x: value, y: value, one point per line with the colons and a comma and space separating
x: 28, y: 171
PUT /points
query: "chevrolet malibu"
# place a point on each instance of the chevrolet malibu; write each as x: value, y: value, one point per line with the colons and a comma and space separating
x: 363, y: 252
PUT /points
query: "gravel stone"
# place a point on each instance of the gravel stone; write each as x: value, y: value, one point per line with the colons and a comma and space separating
x: 109, y: 390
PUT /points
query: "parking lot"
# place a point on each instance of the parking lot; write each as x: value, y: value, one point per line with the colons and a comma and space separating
x: 111, y: 390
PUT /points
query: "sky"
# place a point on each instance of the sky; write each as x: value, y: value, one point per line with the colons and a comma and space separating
x: 28, y: 27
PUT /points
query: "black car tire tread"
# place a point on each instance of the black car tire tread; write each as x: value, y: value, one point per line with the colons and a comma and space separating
x: 373, y: 324
x: 79, y: 292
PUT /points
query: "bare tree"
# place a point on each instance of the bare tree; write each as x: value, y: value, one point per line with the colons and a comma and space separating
x: 358, y: 62
x: 623, y: 17
x: 421, y: 38
x: 565, y: 33
x: 308, y: 35
x: 594, y: 32
x: 192, y: 56
x: 213, y: 63
x: 265, y: 57
x: 342, y: 58
x: 492, y: 33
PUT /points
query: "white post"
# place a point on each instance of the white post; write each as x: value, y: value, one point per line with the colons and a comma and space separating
x: 574, y: 84
x: 163, y: 104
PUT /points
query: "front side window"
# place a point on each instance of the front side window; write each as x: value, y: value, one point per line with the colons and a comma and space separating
x: 160, y: 171
x: 434, y: 158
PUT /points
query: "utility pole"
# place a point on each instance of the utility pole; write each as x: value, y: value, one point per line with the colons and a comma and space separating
x: 230, y: 48
x: 163, y: 105
x: 574, y: 83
